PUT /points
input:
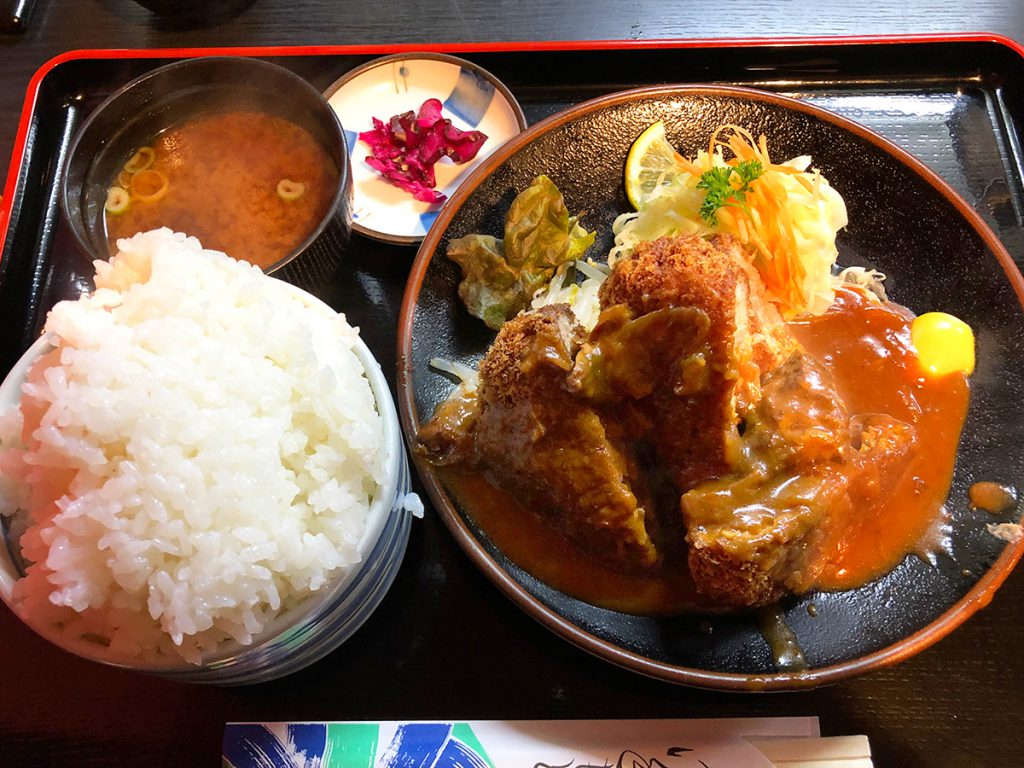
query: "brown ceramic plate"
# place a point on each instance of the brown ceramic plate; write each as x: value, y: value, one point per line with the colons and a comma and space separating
x: 905, y: 221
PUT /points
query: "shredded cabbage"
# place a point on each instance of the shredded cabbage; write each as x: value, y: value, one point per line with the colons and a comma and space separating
x: 788, y: 219
x: 582, y: 298
x: 869, y: 280
x: 469, y: 379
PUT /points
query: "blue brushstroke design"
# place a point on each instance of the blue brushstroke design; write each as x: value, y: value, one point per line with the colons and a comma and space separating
x: 471, y: 97
x: 350, y: 141
x: 309, y: 739
x: 253, y: 746
x: 458, y: 755
x: 427, y: 220
x: 415, y: 745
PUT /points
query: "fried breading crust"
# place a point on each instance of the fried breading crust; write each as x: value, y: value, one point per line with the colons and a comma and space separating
x: 696, y: 435
x: 759, y: 532
x: 540, y: 442
x: 714, y: 275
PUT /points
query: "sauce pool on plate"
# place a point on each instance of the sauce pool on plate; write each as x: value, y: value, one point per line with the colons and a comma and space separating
x: 994, y: 498
x: 866, y: 347
x: 248, y: 183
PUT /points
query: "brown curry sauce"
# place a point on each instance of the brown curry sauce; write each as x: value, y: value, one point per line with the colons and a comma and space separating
x: 866, y: 347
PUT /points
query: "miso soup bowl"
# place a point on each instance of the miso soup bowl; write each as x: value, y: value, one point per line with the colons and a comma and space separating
x: 299, y: 636
x: 170, y: 95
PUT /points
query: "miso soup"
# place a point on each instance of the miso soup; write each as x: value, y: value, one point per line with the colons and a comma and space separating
x: 244, y: 182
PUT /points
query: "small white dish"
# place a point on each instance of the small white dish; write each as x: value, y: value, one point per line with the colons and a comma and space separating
x: 472, y: 98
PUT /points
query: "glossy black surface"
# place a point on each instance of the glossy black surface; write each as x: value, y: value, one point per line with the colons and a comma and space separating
x: 445, y: 642
x: 15, y: 15
x: 194, y: 12
x: 899, y: 224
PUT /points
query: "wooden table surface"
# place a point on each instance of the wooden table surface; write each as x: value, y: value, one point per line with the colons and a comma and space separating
x: 956, y: 704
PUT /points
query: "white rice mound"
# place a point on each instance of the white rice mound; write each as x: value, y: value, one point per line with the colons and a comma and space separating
x: 197, y: 455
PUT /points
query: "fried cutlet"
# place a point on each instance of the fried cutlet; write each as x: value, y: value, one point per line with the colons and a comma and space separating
x: 690, y: 383
x: 758, y: 532
x: 696, y: 433
x: 553, y: 450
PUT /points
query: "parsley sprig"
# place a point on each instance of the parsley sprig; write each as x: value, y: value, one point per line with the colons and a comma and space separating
x: 720, y: 191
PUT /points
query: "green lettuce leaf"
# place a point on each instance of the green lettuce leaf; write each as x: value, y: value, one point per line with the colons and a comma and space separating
x: 499, y: 277
x: 490, y: 287
x: 579, y: 239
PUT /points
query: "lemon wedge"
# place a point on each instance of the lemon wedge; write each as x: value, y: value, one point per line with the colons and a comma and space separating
x: 652, y: 165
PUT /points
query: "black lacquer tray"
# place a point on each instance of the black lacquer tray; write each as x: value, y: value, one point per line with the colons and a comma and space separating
x: 957, y: 104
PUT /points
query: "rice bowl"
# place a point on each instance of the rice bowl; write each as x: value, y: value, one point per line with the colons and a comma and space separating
x: 253, y: 536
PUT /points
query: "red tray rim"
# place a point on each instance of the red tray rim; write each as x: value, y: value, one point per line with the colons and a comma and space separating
x: 32, y: 91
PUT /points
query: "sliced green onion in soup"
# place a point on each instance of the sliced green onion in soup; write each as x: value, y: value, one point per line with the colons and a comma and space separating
x: 289, y: 190
x: 118, y: 200
x: 141, y: 160
x: 149, y: 186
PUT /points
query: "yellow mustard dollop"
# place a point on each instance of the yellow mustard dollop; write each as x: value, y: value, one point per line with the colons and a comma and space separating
x: 944, y: 344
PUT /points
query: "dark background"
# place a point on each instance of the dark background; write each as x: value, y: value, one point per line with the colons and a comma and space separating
x: 423, y: 655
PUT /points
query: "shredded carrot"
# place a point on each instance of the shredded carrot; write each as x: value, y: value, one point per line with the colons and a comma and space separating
x: 741, y: 225
x: 690, y: 167
x: 806, y: 183
x: 764, y: 220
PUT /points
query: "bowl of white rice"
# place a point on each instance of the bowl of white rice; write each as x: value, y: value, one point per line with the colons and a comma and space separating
x: 202, y: 474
